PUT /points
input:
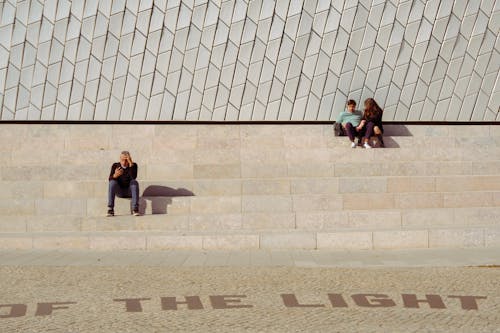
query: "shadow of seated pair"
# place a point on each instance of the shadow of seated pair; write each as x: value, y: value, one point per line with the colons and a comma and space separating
x: 160, y: 197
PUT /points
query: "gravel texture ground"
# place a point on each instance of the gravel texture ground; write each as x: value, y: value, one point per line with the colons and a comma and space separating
x: 139, y: 298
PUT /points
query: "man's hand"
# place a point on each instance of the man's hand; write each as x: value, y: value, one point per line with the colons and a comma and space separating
x: 360, y: 126
x: 118, y: 172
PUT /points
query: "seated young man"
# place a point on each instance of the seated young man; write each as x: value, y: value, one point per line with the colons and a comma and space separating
x: 350, y: 120
x: 123, y: 183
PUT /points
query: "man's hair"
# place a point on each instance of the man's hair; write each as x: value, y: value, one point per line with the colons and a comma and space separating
x: 351, y: 102
x: 126, y: 153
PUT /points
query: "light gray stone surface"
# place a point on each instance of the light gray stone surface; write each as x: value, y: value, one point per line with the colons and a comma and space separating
x: 247, y: 186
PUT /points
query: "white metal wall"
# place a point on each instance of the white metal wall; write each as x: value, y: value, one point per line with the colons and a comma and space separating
x: 248, y: 60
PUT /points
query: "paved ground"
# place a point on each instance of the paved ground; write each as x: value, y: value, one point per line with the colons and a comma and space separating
x: 256, y: 291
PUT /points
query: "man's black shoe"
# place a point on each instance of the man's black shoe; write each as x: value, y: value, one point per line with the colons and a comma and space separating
x: 111, y: 212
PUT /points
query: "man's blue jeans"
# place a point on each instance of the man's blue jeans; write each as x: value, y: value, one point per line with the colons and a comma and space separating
x: 123, y: 192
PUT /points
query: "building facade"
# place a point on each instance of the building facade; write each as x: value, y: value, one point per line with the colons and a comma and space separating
x: 248, y: 60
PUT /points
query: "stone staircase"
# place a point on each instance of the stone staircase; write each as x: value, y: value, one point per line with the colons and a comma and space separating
x: 250, y: 186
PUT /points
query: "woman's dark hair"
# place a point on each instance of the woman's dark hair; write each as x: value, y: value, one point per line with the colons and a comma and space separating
x: 372, y: 108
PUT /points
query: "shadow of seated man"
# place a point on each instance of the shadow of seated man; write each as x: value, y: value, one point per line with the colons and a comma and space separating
x: 161, y: 197
x: 123, y: 183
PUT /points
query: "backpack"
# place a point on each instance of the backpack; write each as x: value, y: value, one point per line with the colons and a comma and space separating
x: 338, y: 129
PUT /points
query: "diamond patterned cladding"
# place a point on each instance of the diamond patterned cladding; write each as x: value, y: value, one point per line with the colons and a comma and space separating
x: 248, y: 59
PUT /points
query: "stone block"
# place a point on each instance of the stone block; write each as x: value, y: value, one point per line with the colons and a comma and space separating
x: 456, y: 238
x: 216, y: 205
x: 400, y: 239
x: 256, y: 221
x: 217, y: 171
x: 295, y: 240
x: 107, y: 224
x: 69, y: 189
x: 297, y: 156
x: 411, y: 184
x: 28, y: 156
x: 230, y: 242
x: 355, y: 201
x: 491, y: 237
x: 98, y: 207
x: 16, y: 242
x: 214, y: 187
x: 317, y: 202
x: 61, y: 242
x: 477, y: 216
x: 469, y: 183
x: 362, y: 185
x: 17, y: 207
x: 468, y: 199
x: 262, y: 155
x: 174, y: 242
x: 311, y: 169
x: 215, y: 222
x: 136, y: 241
x: 314, y: 186
x: 263, y: 170
x: 419, y: 200
x: 431, y: 217
x: 54, y: 223
x: 169, y: 171
x: 162, y: 222
x: 266, y: 203
x: 61, y: 206
x: 322, y: 220
x: 342, y: 155
x: 13, y: 224
x: 217, y: 156
x: 21, y: 189
x: 215, y: 142
x: 265, y: 187
x: 384, y: 219
x: 345, y: 241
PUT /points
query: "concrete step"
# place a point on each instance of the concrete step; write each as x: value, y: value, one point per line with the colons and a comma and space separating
x: 356, y: 194
x: 346, y: 182
x: 299, y: 220
x: 338, y: 150
x: 366, y: 194
x: 146, y: 148
x: 283, y: 239
x: 309, y: 163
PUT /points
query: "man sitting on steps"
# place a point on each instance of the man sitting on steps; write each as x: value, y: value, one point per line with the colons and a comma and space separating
x: 123, y: 183
x: 350, y: 121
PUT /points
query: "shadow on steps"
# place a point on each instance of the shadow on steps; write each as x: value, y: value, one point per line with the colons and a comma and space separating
x: 160, y: 197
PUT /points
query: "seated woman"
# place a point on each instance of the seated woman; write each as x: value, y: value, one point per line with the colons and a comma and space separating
x: 372, y: 122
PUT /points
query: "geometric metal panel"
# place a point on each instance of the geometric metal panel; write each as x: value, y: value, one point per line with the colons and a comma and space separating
x: 248, y: 60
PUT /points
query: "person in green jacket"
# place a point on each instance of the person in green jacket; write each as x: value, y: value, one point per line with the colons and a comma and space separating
x: 350, y: 120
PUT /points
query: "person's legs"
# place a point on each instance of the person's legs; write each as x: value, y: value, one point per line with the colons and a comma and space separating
x: 113, y: 190
x: 368, y: 133
x: 368, y: 130
x: 134, y: 193
x: 379, y: 131
x: 351, y: 131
